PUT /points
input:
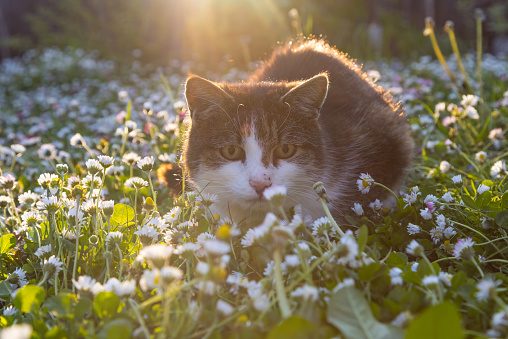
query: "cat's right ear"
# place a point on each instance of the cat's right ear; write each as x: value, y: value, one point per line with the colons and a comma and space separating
x: 203, y: 95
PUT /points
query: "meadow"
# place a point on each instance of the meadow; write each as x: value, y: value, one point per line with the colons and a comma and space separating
x: 93, y: 245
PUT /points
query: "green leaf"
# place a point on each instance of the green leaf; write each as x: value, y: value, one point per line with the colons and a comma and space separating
x: 61, y: 305
x: 397, y: 259
x: 437, y: 322
x: 116, y: 329
x: 5, y: 289
x: 293, y: 328
x: 106, y: 304
x: 350, y: 313
x: 469, y: 201
x: 28, y: 298
x: 363, y: 235
x: 7, y: 243
x: 203, y: 226
x: 368, y: 272
x: 502, y: 219
x: 122, y: 214
x: 483, y: 199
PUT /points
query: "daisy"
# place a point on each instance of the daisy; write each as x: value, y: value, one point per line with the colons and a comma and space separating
x: 480, y: 157
x: 275, y: 194
x: 105, y: 161
x: 130, y: 158
x: 136, y: 183
x: 413, y: 229
x: 444, y: 166
x: 457, y: 179
x: 53, y: 265
x: 173, y: 215
x: 486, y: 288
x: 114, y: 238
x: 157, y: 254
x: 306, y: 292
x: 357, y: 208
x: 463, y: 249
x: 146, y: 164
x: 224, y: 308
x: 364, y: 183
x: 47, y: 152
x: 414, y: 248
x: 498, y: 170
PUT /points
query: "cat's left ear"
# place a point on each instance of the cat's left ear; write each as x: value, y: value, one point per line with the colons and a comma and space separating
x: 203, y: 95
x: 309, y: 96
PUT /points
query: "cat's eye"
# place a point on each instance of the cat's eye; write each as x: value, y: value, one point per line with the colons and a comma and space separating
x: 232, y: 152
x: 284, y: 151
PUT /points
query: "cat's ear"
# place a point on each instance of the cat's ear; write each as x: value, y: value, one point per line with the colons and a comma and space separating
x: 203, y: 95
x: 309, y: 96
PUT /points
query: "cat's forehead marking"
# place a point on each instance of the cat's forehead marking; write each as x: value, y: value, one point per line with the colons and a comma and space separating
x: 246, y: 130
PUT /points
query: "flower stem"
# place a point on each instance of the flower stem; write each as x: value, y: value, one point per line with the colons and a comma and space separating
x: 121, y: 261
x: 478, y: 267
x: 279, y: 285
x: 76, y: 253
x: 153, y: 191
x: 134, y: 306
x: 44, y: 278
x: 332, y: 220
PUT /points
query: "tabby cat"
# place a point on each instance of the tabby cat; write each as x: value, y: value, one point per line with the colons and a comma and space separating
x: 307, y: 114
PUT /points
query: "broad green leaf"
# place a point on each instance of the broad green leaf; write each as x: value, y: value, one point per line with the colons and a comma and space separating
x: 116, y: 329
x: 397, y: 259
x: 122, y: 214
x: 469, y: 201
x: 294, y: 328
x: 483, y: 199
x: 350, y: 313
x: 29, y: 297
x: 5, y: 290
x: 502, y: 219
x: 440, y: 321
x: 7, y: 243
x: 56, y: 332
x: 411, y: 277
x: 363, y: 235
x: 61, y: 305
x: 203, y: 226
x: 106, y: 304
x: 368, y: 272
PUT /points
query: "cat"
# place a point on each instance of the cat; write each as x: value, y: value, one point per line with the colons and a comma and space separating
x: 308, y: 114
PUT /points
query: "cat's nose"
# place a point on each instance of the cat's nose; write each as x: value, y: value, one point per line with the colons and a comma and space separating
x: 259, y: 186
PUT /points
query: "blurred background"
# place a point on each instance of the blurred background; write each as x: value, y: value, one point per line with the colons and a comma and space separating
x: 235, y: 32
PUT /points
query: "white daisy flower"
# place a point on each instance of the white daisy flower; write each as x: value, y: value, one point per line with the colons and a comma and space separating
x: 444, y: 166
x: 136, y: 183
x: 480, y: 157
x: 53, y: 265
x: 130, y: 158
x: 430, y: 281
x: 394, y: 273
x: 275, y: 194
x: 447, y: 197
x: 486, y: 288
x: 357, y: 208
x: 224, y: 308
x: 414, y: 248
x: 146, y: 164
x: 114, y: 238
x: 106, y: 161
x: 364, y: 183
x: 47, y: 152
x: 413, y: 229
x: 457, y: 179
x: 306, y: 292
x: 482, y: 188
x: 173, y: 215
x: 463, y: 249
x: 18, y: 331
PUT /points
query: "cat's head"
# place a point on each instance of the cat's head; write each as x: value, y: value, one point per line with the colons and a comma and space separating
x: 245, y: 137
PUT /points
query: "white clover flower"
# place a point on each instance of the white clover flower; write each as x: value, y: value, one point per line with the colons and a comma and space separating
x: 444, y: 166
x: 114, y: 238
x: 146, y: 164
x: 376, y: 205
x: 463, y: 249
x: 498, y: 170
x: 306, y: 292
x: 480, y: 157
x: 414, y: 248
x: 413, y: 229
x: 357, y: 208
x: 469, y: 100
x: 18, y: 331
x: 426, y: 214
x: 224, y: 308
x: 344, y: 283
x: 486, y: 288
x: 84, y: 283
x: 482, y: 188
x: 447, y: 197
x: 275, y: 194
x: 394, y: 273
x: 430, y: 280
x: 457, y: 179
x: 136, y: 183
x: 364, y: 183
x: 53, y: 265
x: 130, y: 158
